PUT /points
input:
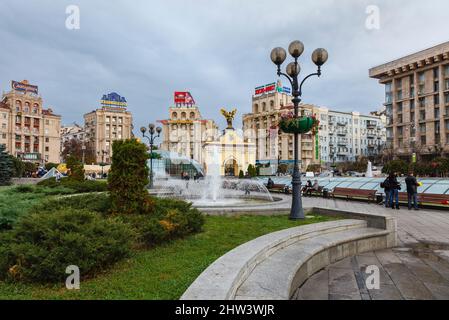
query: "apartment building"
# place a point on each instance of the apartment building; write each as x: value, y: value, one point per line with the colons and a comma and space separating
x: 27, y: 129
x: 417, y: 102
x: 346, y: 136
x: 342, y: 136
x: 105, y: 125
x: 71, y: 132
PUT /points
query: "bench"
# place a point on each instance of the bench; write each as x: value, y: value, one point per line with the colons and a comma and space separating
x: 274, y: 266
x: 427, y: 198
x: 369, y: 195
x: 313, y: 192
x: 279, y: 188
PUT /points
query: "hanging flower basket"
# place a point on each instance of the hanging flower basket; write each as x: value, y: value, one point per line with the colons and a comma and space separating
x: 296, y: 125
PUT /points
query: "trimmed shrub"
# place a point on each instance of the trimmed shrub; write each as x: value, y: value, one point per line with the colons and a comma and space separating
x: 42, y: 245
x: 24, y: 188
x: 171, y: 219
x: 128, y: 178
x: 93, y: 202
x: 6, y: 167
x: 84, y: 186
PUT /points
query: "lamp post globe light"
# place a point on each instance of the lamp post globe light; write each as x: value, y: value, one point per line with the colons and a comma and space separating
x: 152, y: 130
x: 319, y: 58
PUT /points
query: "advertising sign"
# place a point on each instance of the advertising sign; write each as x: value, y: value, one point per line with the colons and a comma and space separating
x: 183, y: 97
x: 270, y: 88
x: 113, y: 100
x: 24, y: 87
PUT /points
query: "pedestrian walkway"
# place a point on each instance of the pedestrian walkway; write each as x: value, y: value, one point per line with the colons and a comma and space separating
x: 417, y: 269
x: 425, y: 225
x: 405, y: 274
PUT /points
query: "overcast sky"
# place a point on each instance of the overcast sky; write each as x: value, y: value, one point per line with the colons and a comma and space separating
x: 218, y: 50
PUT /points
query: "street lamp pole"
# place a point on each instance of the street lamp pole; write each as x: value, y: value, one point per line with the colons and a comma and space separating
x: 84, y: 150
x: 151, y: 138
x: 278, y: 56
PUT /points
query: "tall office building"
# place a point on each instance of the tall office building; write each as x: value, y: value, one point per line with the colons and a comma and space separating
x: 105, y: 125
x: 417, y: 102
x: 27, y: 129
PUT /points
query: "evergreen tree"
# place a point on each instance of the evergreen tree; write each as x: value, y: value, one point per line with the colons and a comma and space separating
x: 128, y: 178
x: 6, y: 167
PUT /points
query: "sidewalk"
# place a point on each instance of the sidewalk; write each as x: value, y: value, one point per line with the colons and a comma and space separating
x: 413, y: 226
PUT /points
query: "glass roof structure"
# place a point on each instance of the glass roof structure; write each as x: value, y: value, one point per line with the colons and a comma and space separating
x: 430, y: 185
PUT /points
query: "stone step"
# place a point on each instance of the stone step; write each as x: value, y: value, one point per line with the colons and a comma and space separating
x: 279, y: 275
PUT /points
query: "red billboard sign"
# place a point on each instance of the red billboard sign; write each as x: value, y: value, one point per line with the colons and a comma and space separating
x: 183, y: 97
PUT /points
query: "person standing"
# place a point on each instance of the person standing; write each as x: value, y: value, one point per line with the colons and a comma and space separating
x: 386, y: 186
x: 412, y: 191
x: 394, y: 190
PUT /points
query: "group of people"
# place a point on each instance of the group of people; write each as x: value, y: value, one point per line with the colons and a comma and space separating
x: 309, y: 187
x: 392, y: 187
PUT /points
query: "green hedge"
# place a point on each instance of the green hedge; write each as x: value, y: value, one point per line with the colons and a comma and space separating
x: 42, y: 245
x: 84, y: 186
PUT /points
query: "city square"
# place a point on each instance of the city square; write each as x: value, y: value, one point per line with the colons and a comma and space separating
x: 291, y: 173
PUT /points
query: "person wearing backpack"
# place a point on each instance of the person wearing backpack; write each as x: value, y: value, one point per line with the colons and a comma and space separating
x: 386, y: 186
x: 394, y: 186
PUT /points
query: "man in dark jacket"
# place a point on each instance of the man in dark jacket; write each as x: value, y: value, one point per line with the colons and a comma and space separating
x: 412, y: 191
x: 394, y: 190
x: 386, y: 186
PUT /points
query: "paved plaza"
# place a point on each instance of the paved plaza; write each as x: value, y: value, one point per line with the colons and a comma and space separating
x: 417, y: 269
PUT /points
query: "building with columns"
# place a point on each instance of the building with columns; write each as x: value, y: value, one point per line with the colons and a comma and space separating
x: 417, y: 102
x: 27, y: 129
x: 105, y: 125
x: 185, y: 132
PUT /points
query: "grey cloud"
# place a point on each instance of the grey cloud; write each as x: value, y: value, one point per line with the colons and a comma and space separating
x: 219, y: 50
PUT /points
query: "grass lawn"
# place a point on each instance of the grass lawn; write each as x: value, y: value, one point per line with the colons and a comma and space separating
x: 167, y: 271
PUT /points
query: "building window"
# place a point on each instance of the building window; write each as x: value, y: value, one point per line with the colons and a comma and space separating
x: 446, y: 71
x: 47, y: 139
x: 412, y: 86
x: 422, y: 128
x: 399, y: 89
x: 437, y: 113
x: 4, y: 135
x: 174, y: 115
x: 399, y: 107
x: 412, y: 104
x: 436, y: 99
x: 436, y: 74
x: 422, y: 115
x: 423, y: 140
x: 47, y: 149
x: 421, y: 80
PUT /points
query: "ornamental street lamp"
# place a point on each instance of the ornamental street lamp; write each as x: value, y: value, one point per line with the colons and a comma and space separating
x: 278, y: 56
x: 102, y: 164
x: 152, y: 130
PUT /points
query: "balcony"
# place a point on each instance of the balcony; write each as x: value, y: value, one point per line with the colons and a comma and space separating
x: 341, y: 123
x: 371, y: 125
x: 342, y: 132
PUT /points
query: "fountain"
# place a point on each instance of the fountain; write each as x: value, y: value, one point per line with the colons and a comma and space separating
x: 215, y: 191
x: 369, y: 170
